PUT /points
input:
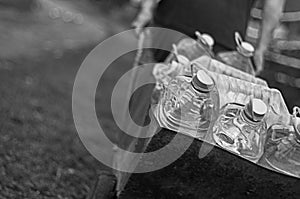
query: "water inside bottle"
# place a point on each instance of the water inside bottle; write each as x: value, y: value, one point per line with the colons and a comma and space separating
x: 188, y: 103
x: 242, y: 129
x: 283, y: 147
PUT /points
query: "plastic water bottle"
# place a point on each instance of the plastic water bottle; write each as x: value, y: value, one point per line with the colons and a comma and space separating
x: 189, y: 102
x: 192, y: 48
x: 242, y: 129
x: 240, y: 59
x: 282, y: 149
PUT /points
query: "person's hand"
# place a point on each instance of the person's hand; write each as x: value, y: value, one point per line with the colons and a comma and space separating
x: 259, y: 61
x: 141, y: 22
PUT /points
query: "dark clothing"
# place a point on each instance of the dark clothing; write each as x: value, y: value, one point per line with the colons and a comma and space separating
x: 165, y: 41
x: 219, y: 18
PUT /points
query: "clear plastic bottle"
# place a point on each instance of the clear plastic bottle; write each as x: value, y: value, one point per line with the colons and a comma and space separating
x: 188, y: 103
x: 241, y: 58
x: 193, y: 49
x: 242, y: 129
x: 282, y: 149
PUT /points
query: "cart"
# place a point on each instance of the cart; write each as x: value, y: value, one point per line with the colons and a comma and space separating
x: 219, y: 173
x: 201, y: 164
x: 203, y: 169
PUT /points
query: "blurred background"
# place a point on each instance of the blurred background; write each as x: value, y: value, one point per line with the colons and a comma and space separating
x: 282, y: 65
x: 42, y: 45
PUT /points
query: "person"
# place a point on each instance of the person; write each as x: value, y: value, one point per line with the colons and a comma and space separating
x: 282, y: 60
x: 217, y: 18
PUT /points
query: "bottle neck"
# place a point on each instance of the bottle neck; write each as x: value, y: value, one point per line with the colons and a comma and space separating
x: 199, y: 89
x: 201, y: 82
x: 246, y: 118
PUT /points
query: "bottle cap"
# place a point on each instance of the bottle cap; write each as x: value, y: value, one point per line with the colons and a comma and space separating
x: 183, y: 60
x: 203, y: 82
x: 174, y: 64
x: 247, y: 47
x: 243, y: 47
x: 208, y: 39
x: 256, y: 109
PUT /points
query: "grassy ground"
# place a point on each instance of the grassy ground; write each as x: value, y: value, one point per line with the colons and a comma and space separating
x: 41, y: 155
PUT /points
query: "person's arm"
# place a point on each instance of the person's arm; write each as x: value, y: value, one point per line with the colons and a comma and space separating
x: 145, y: 15
x: 271, y: 15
